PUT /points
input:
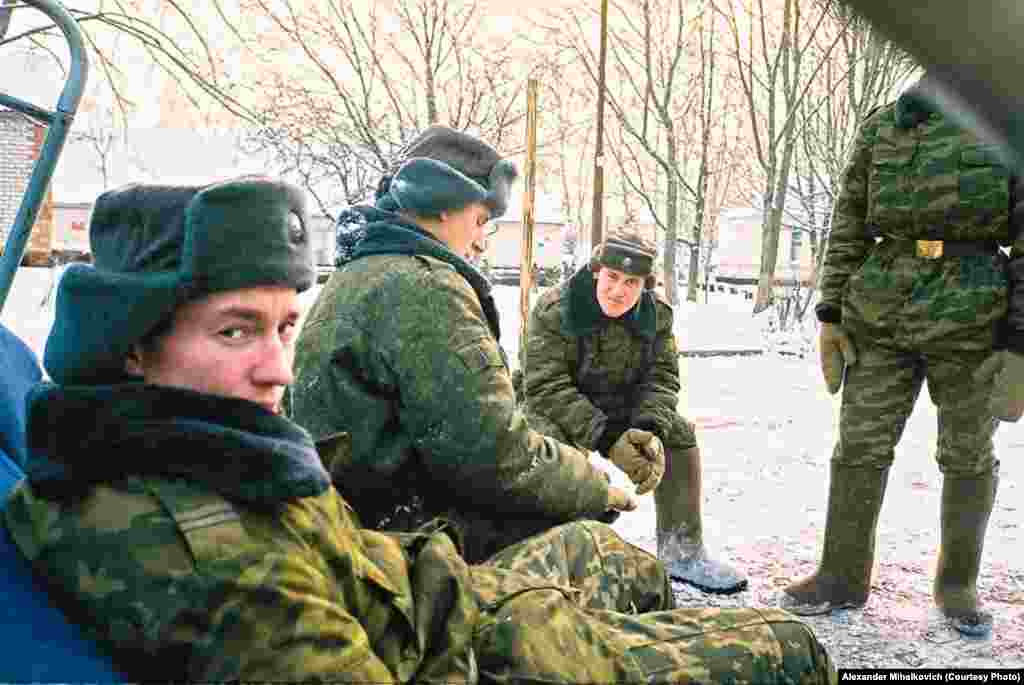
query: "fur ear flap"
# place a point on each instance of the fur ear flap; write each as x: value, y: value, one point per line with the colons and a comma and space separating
x: 595, y: 259
x: 650, y: 282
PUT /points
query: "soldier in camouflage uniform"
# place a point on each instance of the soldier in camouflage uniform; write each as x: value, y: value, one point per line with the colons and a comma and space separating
x: 602, y: 373
x: 191, y: 529
x: 401, y: 352
x: 915, y: 287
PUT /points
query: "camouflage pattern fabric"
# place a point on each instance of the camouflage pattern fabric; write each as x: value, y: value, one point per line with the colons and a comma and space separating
x: 179, y: 584
x: 589, y: 387
x: 396, y: 352
x: 913, y: 318
x: 933, y: 181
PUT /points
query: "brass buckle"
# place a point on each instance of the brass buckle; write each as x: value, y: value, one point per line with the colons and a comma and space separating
x: 929, y: 249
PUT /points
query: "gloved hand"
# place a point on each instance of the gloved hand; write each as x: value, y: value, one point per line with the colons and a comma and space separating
x: 1005, y: 370
x: 837, y: 352
x: 620, y: 500
x: 641, y: 456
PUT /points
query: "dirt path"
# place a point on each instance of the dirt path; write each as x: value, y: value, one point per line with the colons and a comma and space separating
x: 766, y: 430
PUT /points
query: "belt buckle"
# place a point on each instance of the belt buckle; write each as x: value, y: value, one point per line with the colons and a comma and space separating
x: 929, y: 249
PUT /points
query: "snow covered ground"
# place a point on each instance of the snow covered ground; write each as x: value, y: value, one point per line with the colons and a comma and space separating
x: 766, y: 429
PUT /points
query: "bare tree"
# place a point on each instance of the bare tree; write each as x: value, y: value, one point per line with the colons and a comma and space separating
x: 175, y: 44
x: 342, y: 88
x: 777, y: 58
x: 655, y: 89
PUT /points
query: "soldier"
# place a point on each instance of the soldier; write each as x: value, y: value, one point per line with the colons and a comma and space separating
x: 401, y: 352
x: 192, y: 530
x: 602, y: 373
x: 915, y: 287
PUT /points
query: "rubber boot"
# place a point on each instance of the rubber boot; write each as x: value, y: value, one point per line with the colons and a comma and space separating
x: 680, y: 532
x: 843, y: 578
x: 966, y: 506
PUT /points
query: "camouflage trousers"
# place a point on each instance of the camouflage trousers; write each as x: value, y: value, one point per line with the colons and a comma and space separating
x: 580, y: 605
x: 911, y: 320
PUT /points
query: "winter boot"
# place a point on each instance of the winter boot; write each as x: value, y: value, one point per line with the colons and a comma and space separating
x: 843, y: 578
x: 966, y: 506
x: 680, y: 533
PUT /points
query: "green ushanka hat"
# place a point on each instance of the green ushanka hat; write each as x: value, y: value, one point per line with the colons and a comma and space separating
x: 444, y: 169
x: 155, y: 247
x: 628, y: 252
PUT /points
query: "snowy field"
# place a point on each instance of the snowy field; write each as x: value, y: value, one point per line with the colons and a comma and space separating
x: 766, y: 428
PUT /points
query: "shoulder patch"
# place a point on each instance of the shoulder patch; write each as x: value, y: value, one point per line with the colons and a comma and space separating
x: 210, y: 524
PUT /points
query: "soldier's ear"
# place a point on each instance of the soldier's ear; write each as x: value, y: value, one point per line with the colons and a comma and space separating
x: 650, y: 282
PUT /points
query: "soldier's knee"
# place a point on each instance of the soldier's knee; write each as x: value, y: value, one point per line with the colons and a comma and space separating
x: 683, y: 434
x: 863, y: 456
x: 961, y: 465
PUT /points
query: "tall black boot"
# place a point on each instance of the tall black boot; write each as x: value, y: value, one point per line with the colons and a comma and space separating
x: 843, y: 578
x: 677, y: 500
x: 966, y: 507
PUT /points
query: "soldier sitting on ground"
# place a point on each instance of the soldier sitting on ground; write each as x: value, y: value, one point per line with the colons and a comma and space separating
x: 193, y: 531
x: 602, y: 373
x: 401, y: 351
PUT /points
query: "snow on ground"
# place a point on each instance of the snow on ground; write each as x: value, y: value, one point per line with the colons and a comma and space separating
x: 766, y: 427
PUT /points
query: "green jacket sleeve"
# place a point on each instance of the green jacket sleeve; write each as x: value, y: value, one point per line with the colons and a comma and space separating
x: 148, y: 591
x: 459, y: 408
x: 658, y: 393
x: 550, y: 389
x: 849, y: 241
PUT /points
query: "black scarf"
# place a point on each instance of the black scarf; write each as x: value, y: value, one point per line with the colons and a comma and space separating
x: 388, y: 233
x: 80, y: 436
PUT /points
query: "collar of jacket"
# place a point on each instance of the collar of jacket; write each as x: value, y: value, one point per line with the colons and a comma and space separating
x: 80, y: 436
x: 914, y: 106
x: 582, y: 315
x: 388, y: 233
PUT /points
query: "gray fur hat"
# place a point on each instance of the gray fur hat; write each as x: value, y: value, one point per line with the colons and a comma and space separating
x: 444, y: 169
x: 155, y: 247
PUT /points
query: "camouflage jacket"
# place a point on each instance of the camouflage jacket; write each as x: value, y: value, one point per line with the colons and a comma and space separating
x: 399, y: 353
x: 198, y: 551
x: 594, y: 377
x: 914, y: 175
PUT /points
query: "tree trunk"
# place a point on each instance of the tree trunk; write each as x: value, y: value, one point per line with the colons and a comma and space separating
x: 671, y: 225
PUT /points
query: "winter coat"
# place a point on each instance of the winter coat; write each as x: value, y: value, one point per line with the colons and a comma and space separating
x: 400, y: 351
x: 590, y: 377
x: 915, y: 175
x: 197, y: 539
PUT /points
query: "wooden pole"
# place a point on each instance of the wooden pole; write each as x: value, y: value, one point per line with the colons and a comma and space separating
x: 530, y: 184
x: 597, y: 211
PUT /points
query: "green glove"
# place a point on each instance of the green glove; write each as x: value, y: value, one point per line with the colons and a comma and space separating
x: 1005, y: 371
x: 837, y: 352
x: 641, y: 456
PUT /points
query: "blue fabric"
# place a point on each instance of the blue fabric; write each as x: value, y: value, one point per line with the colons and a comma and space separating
x: 39, y: 645
x: 19, y: 371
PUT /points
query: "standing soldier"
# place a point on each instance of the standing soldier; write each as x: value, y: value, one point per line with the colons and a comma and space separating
x: 602, y: 373
x: 915, y: 287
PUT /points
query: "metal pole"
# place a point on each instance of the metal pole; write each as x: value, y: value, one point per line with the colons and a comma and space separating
x: 530, y: 184
x: 597, y: 212
x: 59, y: 123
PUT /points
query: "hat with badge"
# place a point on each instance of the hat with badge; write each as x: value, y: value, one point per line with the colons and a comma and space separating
x: 157, y: 246
x: 443, y: 169
x: 626, y: 251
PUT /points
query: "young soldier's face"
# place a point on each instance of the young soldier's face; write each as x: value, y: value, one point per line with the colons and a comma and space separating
x: 238, y: 343
x: 617, y: 291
